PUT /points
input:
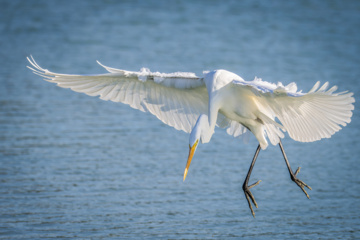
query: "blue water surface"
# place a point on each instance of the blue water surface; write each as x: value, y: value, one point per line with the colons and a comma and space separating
x: 74, y: 166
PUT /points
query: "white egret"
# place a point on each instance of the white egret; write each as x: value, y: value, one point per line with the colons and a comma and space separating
x: 220, y: 98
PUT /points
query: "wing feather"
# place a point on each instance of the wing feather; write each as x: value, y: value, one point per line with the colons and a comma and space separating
x: 306, y: 117
x: 177, y: 99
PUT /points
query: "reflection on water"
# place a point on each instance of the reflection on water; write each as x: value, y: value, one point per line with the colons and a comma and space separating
x: 75, y: 166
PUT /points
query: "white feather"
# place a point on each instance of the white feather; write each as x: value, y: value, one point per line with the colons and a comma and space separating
x: 306, y: 117
x: 177, y: 99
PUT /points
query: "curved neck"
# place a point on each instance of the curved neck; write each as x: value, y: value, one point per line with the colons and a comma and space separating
x: 202, y: 129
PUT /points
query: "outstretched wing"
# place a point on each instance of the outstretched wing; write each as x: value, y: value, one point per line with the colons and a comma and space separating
x: 177, y: 99
x: 306, y: 117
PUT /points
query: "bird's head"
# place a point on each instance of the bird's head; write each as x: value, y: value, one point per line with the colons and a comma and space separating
x: 200, y: 132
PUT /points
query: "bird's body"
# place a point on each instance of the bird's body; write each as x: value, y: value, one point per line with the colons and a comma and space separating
x: 229, y: 99
x: 220, y: 98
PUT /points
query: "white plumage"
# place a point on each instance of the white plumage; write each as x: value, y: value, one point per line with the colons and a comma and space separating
x: 177, y: 99
x: 197, y: 104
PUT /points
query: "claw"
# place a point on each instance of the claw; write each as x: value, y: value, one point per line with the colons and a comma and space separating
x: 252, y: 199
x: 249, y: 196
x: 300, y: 183
x: 250, y: 206
x: 254, y: 184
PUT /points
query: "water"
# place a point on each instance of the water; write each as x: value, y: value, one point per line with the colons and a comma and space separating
x: 73, y: 166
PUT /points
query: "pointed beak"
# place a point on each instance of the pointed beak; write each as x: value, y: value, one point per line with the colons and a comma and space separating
x: 191, y: 154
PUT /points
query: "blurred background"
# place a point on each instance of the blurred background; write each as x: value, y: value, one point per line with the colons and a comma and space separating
x: 74, y: 166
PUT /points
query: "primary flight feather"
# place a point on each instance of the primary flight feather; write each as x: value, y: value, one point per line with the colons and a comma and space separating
x: 220, y: 98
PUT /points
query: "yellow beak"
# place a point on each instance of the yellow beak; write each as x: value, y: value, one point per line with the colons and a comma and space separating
x: 191, y: 154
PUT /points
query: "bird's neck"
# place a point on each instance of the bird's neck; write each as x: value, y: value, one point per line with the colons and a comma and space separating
x: 202, y: 129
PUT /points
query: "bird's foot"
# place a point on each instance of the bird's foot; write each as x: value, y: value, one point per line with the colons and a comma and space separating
x: 249, y: 196
x: 300, y: 183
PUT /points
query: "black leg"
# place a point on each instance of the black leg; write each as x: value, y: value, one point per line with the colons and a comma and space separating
x: 293, y: 175
x: 247, y: 188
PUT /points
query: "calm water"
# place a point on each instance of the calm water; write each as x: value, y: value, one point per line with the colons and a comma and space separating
x: 72, y: 166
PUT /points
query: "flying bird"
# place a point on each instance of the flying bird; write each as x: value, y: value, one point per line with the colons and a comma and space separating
x: 220, y: 98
